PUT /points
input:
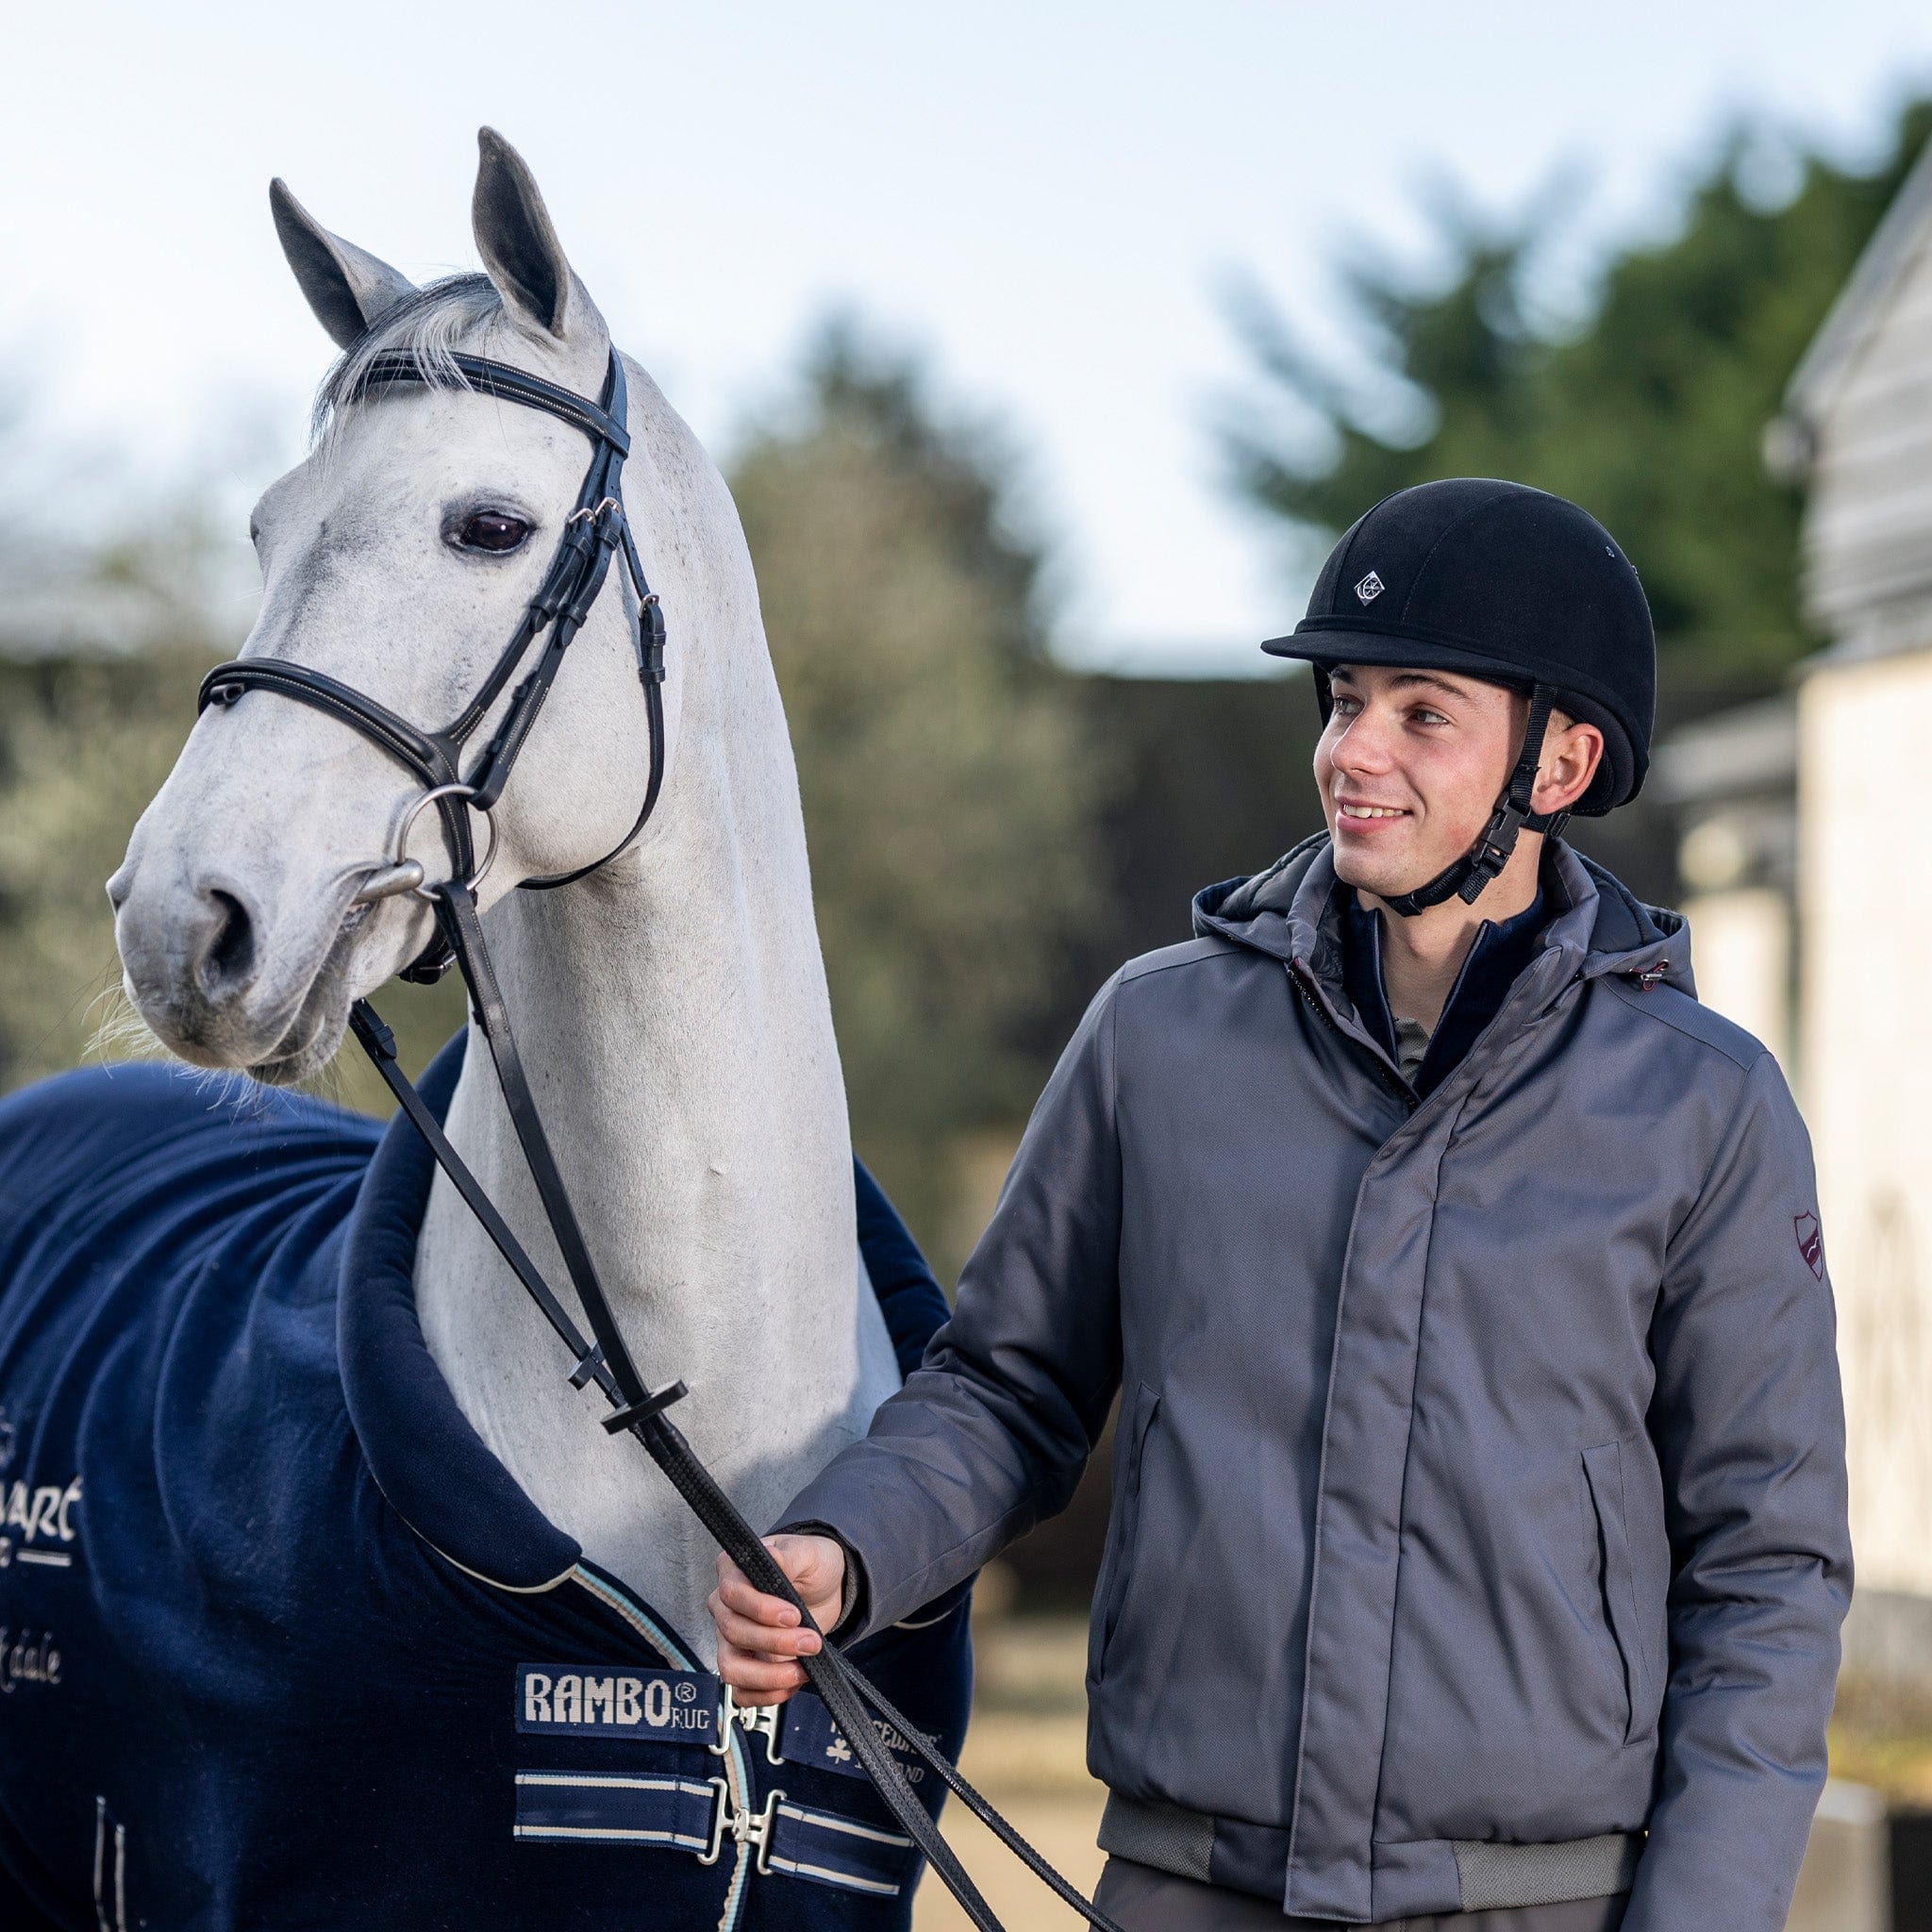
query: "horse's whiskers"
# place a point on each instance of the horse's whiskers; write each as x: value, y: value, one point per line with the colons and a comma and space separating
x: 120, y: 1033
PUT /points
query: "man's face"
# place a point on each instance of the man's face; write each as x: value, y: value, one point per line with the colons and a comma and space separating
x: 1410, y: 766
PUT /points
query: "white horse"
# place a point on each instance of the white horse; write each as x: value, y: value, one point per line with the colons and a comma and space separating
x: 672, y: 1006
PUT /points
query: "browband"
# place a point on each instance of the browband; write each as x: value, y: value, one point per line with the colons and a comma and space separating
x: 510, y: 383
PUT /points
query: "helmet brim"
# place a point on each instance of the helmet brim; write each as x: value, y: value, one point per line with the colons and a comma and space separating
x: 1327, y: 647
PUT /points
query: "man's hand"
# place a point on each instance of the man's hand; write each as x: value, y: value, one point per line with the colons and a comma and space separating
x: 759, y: 1637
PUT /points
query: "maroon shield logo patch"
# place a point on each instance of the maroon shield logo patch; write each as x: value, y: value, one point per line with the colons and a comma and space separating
x: 1810, y: 1241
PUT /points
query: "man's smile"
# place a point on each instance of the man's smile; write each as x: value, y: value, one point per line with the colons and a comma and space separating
x: 1360, y: 813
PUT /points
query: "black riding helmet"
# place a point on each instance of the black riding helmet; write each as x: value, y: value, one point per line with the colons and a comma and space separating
x: 1507, y: 584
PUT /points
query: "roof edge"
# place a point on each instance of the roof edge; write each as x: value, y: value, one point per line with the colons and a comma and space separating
x: 1848, y: 322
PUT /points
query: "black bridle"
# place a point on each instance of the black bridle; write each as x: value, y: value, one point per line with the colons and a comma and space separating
x: 594, y: 532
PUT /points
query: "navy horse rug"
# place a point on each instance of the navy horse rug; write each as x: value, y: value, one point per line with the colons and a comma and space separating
x: 283, y: 1646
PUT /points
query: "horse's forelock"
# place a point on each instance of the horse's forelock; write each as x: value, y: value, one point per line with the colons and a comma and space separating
x: 426, y: 327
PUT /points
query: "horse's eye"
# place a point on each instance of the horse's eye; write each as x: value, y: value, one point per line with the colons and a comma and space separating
x: 490, y: 530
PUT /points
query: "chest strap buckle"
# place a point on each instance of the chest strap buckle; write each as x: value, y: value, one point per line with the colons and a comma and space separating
x: 753, y: 1718
x: 742, y: 1828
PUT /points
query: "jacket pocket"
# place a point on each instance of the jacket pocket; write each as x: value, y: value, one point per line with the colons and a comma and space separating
x: 1602, y: 1470
x: 1136, y: 1418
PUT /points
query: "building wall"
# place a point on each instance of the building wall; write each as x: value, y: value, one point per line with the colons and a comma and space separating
x: 1741, y: 955
x: 1865, y: 806
x: 1871, y: 485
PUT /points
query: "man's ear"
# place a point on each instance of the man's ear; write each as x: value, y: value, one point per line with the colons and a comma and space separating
x: 1571, y: 752
x: 349, y: 289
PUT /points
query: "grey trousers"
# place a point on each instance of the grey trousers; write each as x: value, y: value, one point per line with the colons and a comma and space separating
x: 1140, y: 1899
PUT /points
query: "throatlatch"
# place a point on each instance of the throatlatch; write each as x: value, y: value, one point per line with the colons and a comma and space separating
x: 595, y: 530
x: 1471, y: 873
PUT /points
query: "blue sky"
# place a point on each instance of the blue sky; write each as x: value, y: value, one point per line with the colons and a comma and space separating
x: 1046, y: 199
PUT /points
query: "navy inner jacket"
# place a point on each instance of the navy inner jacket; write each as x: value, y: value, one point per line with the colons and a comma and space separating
x: 1498, y: 954
x: 281, y: 1642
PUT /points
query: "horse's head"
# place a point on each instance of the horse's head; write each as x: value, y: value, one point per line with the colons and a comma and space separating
x: 398, y: 559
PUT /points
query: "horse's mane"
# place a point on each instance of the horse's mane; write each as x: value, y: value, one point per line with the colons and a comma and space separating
x: 426, y: 327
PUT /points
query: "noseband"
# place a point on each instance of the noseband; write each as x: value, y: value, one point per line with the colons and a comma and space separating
x: 595, y: 530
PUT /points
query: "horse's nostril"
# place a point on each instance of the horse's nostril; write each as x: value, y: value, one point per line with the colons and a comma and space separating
x: 227, y: 959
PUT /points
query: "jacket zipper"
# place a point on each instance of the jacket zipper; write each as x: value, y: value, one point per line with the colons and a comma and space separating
x: 1399, y: 1088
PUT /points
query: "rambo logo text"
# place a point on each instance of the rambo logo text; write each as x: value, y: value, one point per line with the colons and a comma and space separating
x: 596, y: 1701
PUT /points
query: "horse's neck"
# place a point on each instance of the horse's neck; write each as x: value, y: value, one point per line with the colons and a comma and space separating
x: 672, y: 1018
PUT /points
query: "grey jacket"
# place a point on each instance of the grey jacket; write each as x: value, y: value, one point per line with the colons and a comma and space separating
x: 1479, y: 1494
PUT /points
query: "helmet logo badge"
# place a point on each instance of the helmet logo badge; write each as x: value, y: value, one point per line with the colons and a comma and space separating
x: 1370, y: 587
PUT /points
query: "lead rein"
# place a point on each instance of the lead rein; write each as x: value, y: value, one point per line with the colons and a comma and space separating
x: 846, y: 1689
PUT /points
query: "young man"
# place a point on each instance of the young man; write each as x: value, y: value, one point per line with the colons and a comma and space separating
x: 1479, y: 1544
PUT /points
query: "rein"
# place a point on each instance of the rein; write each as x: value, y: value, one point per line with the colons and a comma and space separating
x: 595, y: 531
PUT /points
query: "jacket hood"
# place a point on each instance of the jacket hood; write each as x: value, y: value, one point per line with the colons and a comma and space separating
x: 1292, y: 912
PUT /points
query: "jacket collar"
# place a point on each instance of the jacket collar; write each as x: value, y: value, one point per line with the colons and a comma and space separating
x: 1289, y: 912
x: 1594, y: 927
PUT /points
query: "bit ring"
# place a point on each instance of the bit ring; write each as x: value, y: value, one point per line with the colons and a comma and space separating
x: 404, y: 873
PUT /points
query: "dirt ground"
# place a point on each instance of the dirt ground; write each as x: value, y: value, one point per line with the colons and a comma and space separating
x: 1027, y: 1750
x: 1882, y: 1738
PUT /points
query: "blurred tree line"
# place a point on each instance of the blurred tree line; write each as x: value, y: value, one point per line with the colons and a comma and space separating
x: 951, y: 779
x: 990, y: 834
x: 1649, y: 409
x: 89, y: 725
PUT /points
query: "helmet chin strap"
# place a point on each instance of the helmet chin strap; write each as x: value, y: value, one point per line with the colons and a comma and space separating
x: 1468, y: 876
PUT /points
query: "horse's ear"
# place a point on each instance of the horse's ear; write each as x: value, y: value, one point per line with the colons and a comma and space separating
x: 520, y: 249
x: 349, y: 289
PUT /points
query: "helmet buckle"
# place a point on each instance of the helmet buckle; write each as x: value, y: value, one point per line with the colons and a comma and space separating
x: 1493, y: 850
